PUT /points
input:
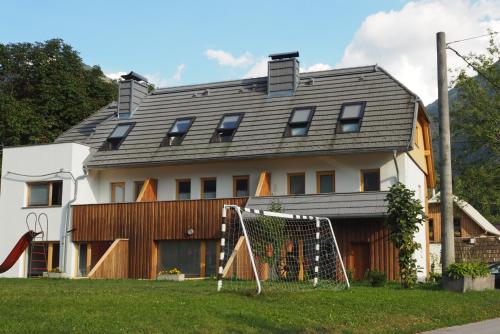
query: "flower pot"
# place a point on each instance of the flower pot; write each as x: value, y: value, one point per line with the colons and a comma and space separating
x: 168, y: 277
x: 53, y: 275
x: 469, y: 284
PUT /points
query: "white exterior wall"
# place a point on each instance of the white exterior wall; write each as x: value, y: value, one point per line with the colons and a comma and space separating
x: 37, y: 160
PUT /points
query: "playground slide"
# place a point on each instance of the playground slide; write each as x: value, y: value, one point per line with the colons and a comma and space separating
x: 17, y: 251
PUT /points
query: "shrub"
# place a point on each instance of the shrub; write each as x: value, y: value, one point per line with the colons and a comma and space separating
x: 376, y: 278
x: 55, y: 270
x: 470, y: 269
x: 434, y: 277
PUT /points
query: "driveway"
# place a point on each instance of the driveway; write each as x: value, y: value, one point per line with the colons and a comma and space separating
x: 483, y: 327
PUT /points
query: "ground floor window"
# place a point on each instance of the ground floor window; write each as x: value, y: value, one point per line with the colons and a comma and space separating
x: 194, y: 258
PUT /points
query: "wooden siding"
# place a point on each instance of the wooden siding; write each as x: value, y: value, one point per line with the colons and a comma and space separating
x: 114, y: 263
x: 468, y: 227
x: 383, y: 255
x: 144, y: 222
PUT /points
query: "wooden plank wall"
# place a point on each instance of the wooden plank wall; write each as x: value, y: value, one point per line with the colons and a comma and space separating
x: 383, y: 254
x: 114, y: 263
x: 144, y: 222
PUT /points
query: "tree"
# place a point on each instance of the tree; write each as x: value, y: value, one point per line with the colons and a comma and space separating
x: 404, y: 215
x: 476, y: 131
x: 45, y: 88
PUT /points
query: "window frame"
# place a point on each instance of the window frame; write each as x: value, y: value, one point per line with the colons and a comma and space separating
x: 165, y: 141
x: 362, y: 181
x: 288, y: 177
x: 289, y: 124
x: 202, y: 186
x: 218, y: 129
x: 106, y: 146
x: 137, y: 193
x: 430, y: 224
x: 50, y: 194
x: 113, y: 185
x: 351, y: 119
x: 236, y: 178
x: 177, y: 181
x: 318, y: 179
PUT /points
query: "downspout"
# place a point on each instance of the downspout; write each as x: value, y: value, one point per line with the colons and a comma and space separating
x: 394, y: 154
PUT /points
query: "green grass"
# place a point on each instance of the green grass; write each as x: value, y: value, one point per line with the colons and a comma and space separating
x: 128, y: 306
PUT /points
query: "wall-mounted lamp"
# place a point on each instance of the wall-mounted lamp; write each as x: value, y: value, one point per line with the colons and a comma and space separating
x: 190, y: 232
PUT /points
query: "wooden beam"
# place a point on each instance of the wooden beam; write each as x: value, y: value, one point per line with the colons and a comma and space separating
x: 202, y: 258
x: 50, y: 251
x: 230, y: 261
x: 89, y: 258
x: 114, y: 263
x: 149, y: 191
x: 264, y: 185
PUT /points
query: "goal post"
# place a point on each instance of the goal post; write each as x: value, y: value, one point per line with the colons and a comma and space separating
x: 265, y: 250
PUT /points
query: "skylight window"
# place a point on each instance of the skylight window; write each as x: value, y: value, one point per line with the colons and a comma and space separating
x: 117, y: 137
x: 178, y: 131
x: 350, y: 118
x: 227, y: 128
x: 299, y: 122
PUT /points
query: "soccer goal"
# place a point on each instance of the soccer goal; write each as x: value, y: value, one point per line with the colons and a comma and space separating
x: 265, y: 251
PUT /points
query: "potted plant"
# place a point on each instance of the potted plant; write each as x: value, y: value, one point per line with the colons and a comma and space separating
x: 172, y: 274
x: 53, y: 273
x: 468, y: 276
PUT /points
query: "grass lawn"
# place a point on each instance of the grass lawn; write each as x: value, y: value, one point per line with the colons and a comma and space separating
x: 128, y: 306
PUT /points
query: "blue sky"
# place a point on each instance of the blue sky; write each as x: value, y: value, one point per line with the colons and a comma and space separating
x: 185, y: 42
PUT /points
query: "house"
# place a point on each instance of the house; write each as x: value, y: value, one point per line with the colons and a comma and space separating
x: 142, y: 182
x: 476, y: 239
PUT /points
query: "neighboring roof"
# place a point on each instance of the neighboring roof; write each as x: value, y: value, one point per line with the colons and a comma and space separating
x: 471, y: 212
x: 334, y: 205
x: 387, y: 122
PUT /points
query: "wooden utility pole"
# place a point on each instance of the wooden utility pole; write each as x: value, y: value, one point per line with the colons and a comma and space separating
x: 447, y: 233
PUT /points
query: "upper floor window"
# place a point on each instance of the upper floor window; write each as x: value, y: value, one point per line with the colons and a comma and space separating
x: 350, y: 118
x: 45, y: 193
x: 241, y: 186
x: 209, y: 187
x: 325, y: 182
x: 457, y: 231
x: 370, y: 180
x: 296, y: 183
x: 117, y: 137
x: 227, y: 128
x: 299, y: 122
x: 117, y: 192
x: 183, y: 189
x: 431, y: 230
x: 178, y: 131
x: 138, y: 188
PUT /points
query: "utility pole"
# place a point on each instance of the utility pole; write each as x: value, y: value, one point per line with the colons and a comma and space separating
x: 447, y: 233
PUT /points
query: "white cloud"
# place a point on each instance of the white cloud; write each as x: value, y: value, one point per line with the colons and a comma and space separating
x: 316, y: 67
x: 156, y: 78
x: 178, y: 73
x: 259, y: 69
x: 227, y: 59
x: 115, y: 75
x: 403, y: 42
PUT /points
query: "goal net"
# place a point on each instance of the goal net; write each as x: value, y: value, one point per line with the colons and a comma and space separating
x: 265, y: 251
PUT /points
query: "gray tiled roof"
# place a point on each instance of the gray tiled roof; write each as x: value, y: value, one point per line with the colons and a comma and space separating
x: 336, y: 205
x: 387, y: 123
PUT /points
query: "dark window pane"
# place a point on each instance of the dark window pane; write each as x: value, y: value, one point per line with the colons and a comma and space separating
x: 209, y: 188
x: 174, y: 140
x: 82, y: 260
x: 349, y: 126
x: 138, y: 188
x: 431, y: 230
x: 352, y: 111
x: 181, y: 126
x: 229, y: 122
x: 242, y: 187
x: 120, y: 131
x: 184, y: 190
x: 210, y: 258
x: 371, y: 181
x: 297, y: 184
x: 326, y: 183
x: 55, y: 255
x: 298, y: 130
x: 456, y: 227
x: 181, y: 254
x: 56, y: 193
x: 301, y: 116
x: 39, y: 194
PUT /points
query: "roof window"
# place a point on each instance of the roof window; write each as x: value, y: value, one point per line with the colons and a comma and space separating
x: 350, y: 118
x: 227, y: 128
x: 117, y: 137
x: 299, y: 122
x: 178, y: 131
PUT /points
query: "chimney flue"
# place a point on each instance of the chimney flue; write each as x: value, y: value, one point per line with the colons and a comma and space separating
x: 131, y: 90
x: 283, y: 74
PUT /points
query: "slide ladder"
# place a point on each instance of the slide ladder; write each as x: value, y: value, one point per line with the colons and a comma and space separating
x: 38, y: 253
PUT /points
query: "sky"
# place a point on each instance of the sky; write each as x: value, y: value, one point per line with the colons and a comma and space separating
x: 186, y: 42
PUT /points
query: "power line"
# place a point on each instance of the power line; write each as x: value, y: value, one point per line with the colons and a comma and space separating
x: 475, y: 37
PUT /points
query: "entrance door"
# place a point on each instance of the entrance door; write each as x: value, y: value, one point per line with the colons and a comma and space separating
x: 359, y: 259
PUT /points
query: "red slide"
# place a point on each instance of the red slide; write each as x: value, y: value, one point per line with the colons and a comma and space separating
x: 16, y: 252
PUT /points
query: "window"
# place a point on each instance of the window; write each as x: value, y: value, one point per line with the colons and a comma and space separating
x: 227, y: 128
x: 431, y: 230
x: 45, y: 193
x: 116, y: 137
x: 457, y: 232
x: 183, y: 189
x: 299, y: 122
x: 350, y: 117
x: 137, y: 188
x: 325, y: 182
x: 296, y: 183
x: 117, y: 192
x: 370, y: 180
x: 208, y: 188
x: 178, y: 131
x: 240, y: 186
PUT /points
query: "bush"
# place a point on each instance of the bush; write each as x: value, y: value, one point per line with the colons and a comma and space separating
x: 471, y: 269
x: 434, y: 277
x: 376, y: 278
